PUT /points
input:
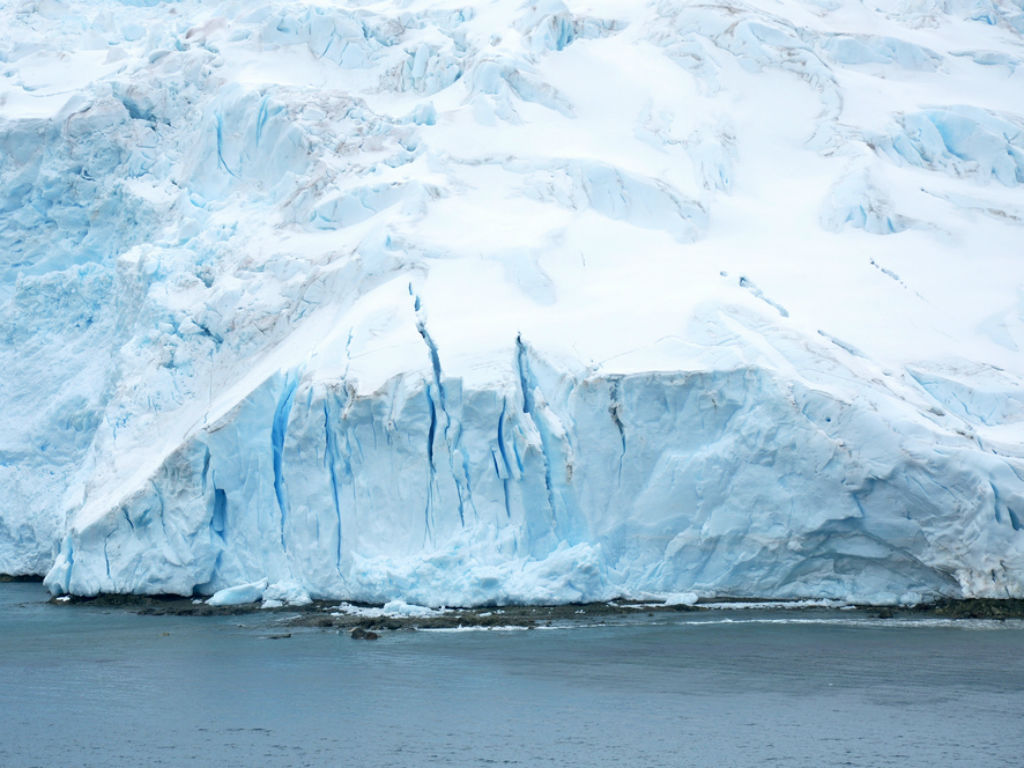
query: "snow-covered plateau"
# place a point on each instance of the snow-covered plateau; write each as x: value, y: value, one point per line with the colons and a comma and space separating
x: 456, y: 304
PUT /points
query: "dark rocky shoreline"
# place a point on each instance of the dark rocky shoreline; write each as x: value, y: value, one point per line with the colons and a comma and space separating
x: 976, y: 608
x: 7, y: 578
x: 326, y: 614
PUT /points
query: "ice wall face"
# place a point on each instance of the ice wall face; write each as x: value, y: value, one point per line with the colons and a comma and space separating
x: 513, y: 303
x: 563, y: 489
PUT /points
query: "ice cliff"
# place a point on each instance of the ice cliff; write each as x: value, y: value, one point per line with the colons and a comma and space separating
x: 502, y: 301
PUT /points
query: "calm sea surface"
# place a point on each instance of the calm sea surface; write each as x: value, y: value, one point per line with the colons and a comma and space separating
x: 91, y: 687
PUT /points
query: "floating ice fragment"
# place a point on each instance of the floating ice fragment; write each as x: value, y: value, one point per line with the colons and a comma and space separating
x: 240, y: 594
x: 681, y: 598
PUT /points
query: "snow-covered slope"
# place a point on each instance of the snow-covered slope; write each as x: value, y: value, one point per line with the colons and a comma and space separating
x: 502, y: 301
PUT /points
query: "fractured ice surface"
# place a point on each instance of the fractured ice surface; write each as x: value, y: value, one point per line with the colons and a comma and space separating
x: 961, y: 140
x: 432, y: 305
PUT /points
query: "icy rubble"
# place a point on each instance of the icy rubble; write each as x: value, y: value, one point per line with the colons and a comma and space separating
x: 535, y: 302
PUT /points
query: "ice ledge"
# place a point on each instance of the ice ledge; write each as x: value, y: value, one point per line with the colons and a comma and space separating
x: 563, y: 489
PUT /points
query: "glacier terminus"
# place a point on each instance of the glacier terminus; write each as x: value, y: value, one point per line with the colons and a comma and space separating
x: 503, y: 302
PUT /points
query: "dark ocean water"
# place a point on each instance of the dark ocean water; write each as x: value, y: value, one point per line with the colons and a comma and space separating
x: 91, y: 687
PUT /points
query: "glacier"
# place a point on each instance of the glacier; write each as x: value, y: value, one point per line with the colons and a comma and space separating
x: 501, y: 302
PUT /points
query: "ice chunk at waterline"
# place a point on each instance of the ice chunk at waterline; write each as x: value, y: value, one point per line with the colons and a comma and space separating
x: 239, y: 594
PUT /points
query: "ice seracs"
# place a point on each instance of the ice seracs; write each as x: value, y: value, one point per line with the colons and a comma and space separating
x: 535, y: 302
